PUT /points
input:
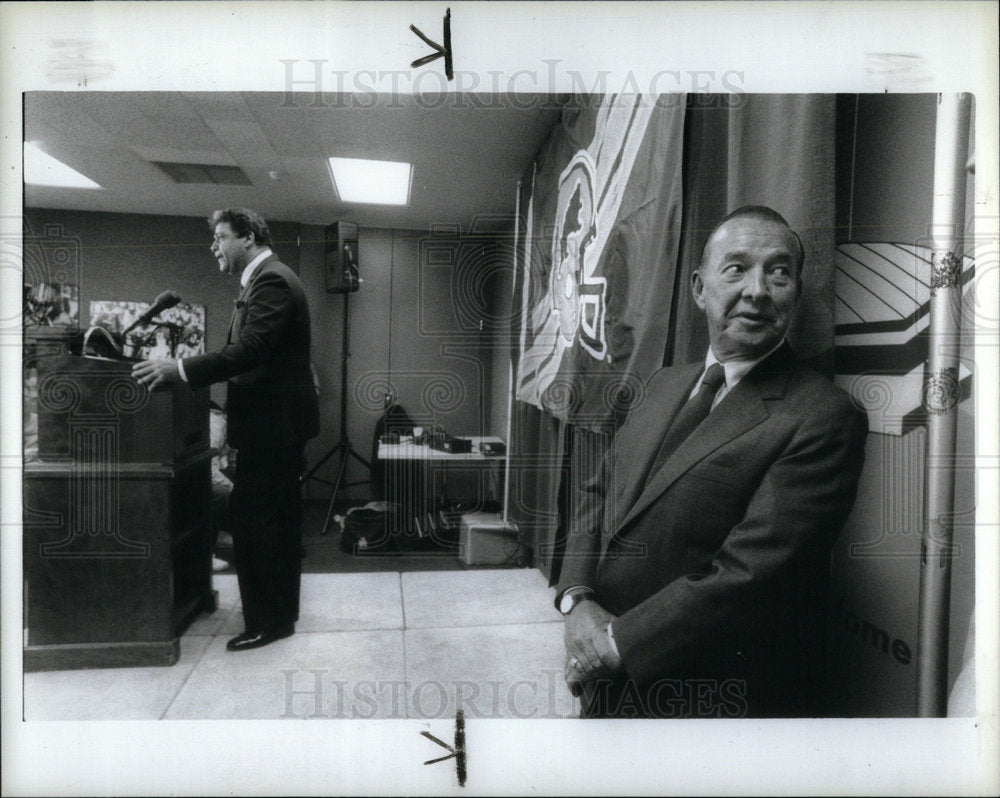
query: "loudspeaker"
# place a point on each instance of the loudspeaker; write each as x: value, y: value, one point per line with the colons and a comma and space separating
x: 341, y: 250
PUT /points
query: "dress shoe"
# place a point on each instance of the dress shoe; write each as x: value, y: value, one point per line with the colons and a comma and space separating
x: 248, y: 640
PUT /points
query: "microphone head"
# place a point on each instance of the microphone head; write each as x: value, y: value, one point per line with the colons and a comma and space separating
x: 166, y: 300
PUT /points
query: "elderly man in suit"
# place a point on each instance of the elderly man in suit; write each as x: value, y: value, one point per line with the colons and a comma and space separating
x: 272, y: 411
x: 696, y: 567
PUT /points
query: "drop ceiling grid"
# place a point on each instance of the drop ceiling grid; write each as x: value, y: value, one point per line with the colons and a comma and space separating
x: 466, y: 161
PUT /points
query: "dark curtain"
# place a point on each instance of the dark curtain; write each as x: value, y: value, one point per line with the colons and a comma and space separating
x: 775, y: 150
x: 537, y: 478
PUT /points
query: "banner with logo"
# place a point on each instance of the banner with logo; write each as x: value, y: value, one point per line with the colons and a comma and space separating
x: 883, y: 295
x: 598, y: 251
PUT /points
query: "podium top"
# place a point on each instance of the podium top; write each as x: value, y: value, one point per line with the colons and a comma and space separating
x: 83, y: 400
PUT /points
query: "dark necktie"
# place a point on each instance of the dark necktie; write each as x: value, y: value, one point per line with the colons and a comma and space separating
x: 695, y: 411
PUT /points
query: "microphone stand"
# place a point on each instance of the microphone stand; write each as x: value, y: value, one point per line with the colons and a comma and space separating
x: 174, y: 331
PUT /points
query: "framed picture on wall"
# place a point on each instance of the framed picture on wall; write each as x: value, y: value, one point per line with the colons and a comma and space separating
x: 52, y: 305
x: 184, y: 321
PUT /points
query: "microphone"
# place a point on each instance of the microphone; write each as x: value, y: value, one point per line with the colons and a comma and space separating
x: 165, y: 300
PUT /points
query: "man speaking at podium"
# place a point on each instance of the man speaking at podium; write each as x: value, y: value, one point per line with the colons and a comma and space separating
x: 272, y: 411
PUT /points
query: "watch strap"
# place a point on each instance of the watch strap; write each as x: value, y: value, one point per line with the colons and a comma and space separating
x: 577, y: 593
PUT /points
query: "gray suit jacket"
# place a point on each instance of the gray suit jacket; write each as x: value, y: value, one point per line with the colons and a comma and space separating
x: 718, y: 564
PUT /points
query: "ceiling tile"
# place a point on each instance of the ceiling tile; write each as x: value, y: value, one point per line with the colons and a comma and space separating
x: 174, y: 154
x: 466, y: 162
x: 244, y: 140
x: 225, y: 105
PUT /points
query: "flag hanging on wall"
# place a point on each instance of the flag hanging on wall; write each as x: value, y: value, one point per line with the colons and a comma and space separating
x: 597, y: 256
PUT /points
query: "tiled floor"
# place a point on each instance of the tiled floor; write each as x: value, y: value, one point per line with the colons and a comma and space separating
x: 367, y: 645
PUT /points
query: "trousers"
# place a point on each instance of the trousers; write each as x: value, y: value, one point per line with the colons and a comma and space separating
x: 265, y: 519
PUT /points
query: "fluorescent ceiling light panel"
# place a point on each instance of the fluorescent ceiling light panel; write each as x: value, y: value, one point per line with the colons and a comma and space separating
x: 41, y: 169
x: 374, y: 182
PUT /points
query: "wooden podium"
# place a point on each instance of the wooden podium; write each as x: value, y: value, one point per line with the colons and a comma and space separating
x: 117, y: 545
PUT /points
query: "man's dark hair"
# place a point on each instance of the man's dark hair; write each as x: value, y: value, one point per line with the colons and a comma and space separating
x: 763, y: 213
x: 243, y: 221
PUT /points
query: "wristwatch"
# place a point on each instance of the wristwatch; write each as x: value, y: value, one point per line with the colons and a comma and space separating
x: 572, y: 597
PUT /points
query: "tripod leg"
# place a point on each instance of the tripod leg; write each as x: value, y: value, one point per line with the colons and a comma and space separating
x: 353, y: 453
x: 329, y: 514
x: 309, y: 474
x: 345, y: 450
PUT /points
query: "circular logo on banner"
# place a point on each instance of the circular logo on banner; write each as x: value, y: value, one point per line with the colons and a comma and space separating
x: 577, y: 300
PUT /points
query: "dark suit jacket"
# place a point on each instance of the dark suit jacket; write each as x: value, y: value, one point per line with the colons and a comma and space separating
x: 271, y: 398
x: 718, y: 564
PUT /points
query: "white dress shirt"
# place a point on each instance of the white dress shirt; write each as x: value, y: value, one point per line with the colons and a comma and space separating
x: 735, y: 370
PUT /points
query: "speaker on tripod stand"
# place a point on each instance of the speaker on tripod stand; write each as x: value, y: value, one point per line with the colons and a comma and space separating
x: 342, y: 277
x: 340, y: 245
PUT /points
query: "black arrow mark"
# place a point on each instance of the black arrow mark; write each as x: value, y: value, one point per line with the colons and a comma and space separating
x: 457, y: 753
x: 441, y: 51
